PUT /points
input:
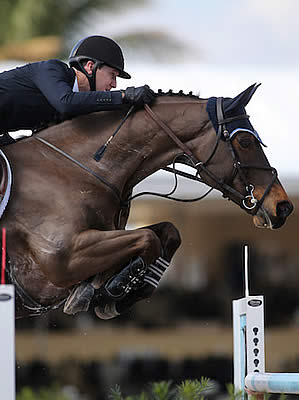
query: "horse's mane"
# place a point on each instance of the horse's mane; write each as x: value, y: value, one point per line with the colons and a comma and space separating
x: 179, y: 93
x: 158, y: 94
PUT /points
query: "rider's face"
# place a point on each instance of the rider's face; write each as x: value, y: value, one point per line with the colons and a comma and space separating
x: 106, y: 78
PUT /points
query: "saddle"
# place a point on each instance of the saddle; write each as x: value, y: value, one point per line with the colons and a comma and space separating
x: 5, y: 182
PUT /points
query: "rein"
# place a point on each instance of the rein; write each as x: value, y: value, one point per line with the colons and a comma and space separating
x: 169, y: 132
x: 248, y: 201
x: 112, y: 187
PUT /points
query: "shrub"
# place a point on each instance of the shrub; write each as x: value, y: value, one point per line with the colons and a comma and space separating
x: 53, y: 393
x: 165, y: 390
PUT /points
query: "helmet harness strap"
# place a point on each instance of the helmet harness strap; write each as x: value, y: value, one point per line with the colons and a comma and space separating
x: 91, y: 77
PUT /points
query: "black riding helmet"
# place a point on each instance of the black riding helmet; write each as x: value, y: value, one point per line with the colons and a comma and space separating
x: 101, y: 50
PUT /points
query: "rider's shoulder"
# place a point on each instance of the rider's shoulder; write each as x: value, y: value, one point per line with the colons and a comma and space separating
x: 53, y: 64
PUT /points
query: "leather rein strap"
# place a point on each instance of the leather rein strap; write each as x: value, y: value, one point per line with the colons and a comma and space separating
x: 169, y: 132
x: 198, y: 165
x: 113, y: 188
x: 202, y: 166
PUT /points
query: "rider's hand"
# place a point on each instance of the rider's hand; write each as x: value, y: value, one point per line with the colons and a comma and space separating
x: 138, y: 95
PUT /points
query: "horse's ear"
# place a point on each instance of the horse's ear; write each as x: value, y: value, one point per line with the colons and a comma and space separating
x: 242, y: 98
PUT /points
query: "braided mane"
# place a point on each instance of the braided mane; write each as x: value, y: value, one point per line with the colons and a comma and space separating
x: 180, y: 93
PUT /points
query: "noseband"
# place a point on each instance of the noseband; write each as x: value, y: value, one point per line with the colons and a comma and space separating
x: 247, y: 201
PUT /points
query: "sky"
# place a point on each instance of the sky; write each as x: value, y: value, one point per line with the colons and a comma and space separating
x: 227, y: 46
x: 240, y: 31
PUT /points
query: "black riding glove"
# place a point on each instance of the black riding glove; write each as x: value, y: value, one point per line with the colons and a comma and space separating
x: 139, y: 95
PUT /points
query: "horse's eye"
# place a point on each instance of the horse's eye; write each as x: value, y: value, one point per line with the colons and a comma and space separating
x: 245, y: 142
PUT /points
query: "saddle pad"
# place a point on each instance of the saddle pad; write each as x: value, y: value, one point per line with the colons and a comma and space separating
x: 6, y: 182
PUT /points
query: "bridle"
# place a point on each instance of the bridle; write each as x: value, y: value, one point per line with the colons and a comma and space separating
x: 247, y: 201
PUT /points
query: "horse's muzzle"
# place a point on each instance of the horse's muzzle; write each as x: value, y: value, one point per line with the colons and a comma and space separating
x: 284, y: 209
x: 264, y: 219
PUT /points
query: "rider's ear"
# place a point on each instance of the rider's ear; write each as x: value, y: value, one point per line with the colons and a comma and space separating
x: 89, y: 67
x: 242, y: 98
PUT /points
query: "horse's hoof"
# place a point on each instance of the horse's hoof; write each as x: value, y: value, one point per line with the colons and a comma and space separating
x: 79, y: 299
x: 106, y: 312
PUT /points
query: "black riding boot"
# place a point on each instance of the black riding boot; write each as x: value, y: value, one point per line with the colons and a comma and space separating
x: 134, y: 283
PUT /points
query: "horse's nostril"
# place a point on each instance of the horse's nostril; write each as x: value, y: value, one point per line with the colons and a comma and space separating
x: 284, y: 209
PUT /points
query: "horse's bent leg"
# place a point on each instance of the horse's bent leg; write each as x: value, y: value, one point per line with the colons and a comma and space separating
x: 170, y: 240
x: 106, y: 253
x: 149, y: 277
x: 169, y: 237
x: 95, y: 252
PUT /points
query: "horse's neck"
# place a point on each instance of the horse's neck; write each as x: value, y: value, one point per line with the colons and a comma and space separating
x: 142, y: 147
x: 139, y: 148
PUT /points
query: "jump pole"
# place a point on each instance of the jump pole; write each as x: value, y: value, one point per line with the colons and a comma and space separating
x: 249, y: 348
x: 7, y: 332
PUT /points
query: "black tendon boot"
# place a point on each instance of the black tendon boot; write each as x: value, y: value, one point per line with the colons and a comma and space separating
x: 134, y: 283
x: 85, y: 295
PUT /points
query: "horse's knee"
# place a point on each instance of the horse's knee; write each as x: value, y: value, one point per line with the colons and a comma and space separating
x: 150, y: 243
x: 174, y: 236
x: 172, y: 242
x: 169, y: 237
x: 172, y: 232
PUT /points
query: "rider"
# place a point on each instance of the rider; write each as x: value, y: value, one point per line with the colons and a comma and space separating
x: 41, y: 93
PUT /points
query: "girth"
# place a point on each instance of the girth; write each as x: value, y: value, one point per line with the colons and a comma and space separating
x: 25, y: 304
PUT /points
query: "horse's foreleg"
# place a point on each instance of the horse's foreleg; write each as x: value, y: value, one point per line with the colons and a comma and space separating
x: 94, y: 252
x: 139, y: 277
x: 120, y: 293
x: 169, y: 238
x: 100, y: 255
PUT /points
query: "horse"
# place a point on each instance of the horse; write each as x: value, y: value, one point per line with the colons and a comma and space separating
x: 67, y: 214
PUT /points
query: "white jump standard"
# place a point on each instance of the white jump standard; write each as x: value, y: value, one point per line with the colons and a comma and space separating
x: 249, y: 350
x: 7, y: 332
x: 7, y: 337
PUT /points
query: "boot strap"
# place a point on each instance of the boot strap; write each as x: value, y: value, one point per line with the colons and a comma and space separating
x: 133, y: 279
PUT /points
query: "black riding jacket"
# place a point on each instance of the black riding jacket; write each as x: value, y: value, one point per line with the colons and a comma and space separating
x: 36, y: 94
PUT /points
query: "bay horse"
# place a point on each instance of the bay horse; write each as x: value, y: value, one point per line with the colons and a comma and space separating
x: 67, y: 215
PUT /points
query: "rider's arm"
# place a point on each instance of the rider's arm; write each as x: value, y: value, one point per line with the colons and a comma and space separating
x: 55, y: 79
